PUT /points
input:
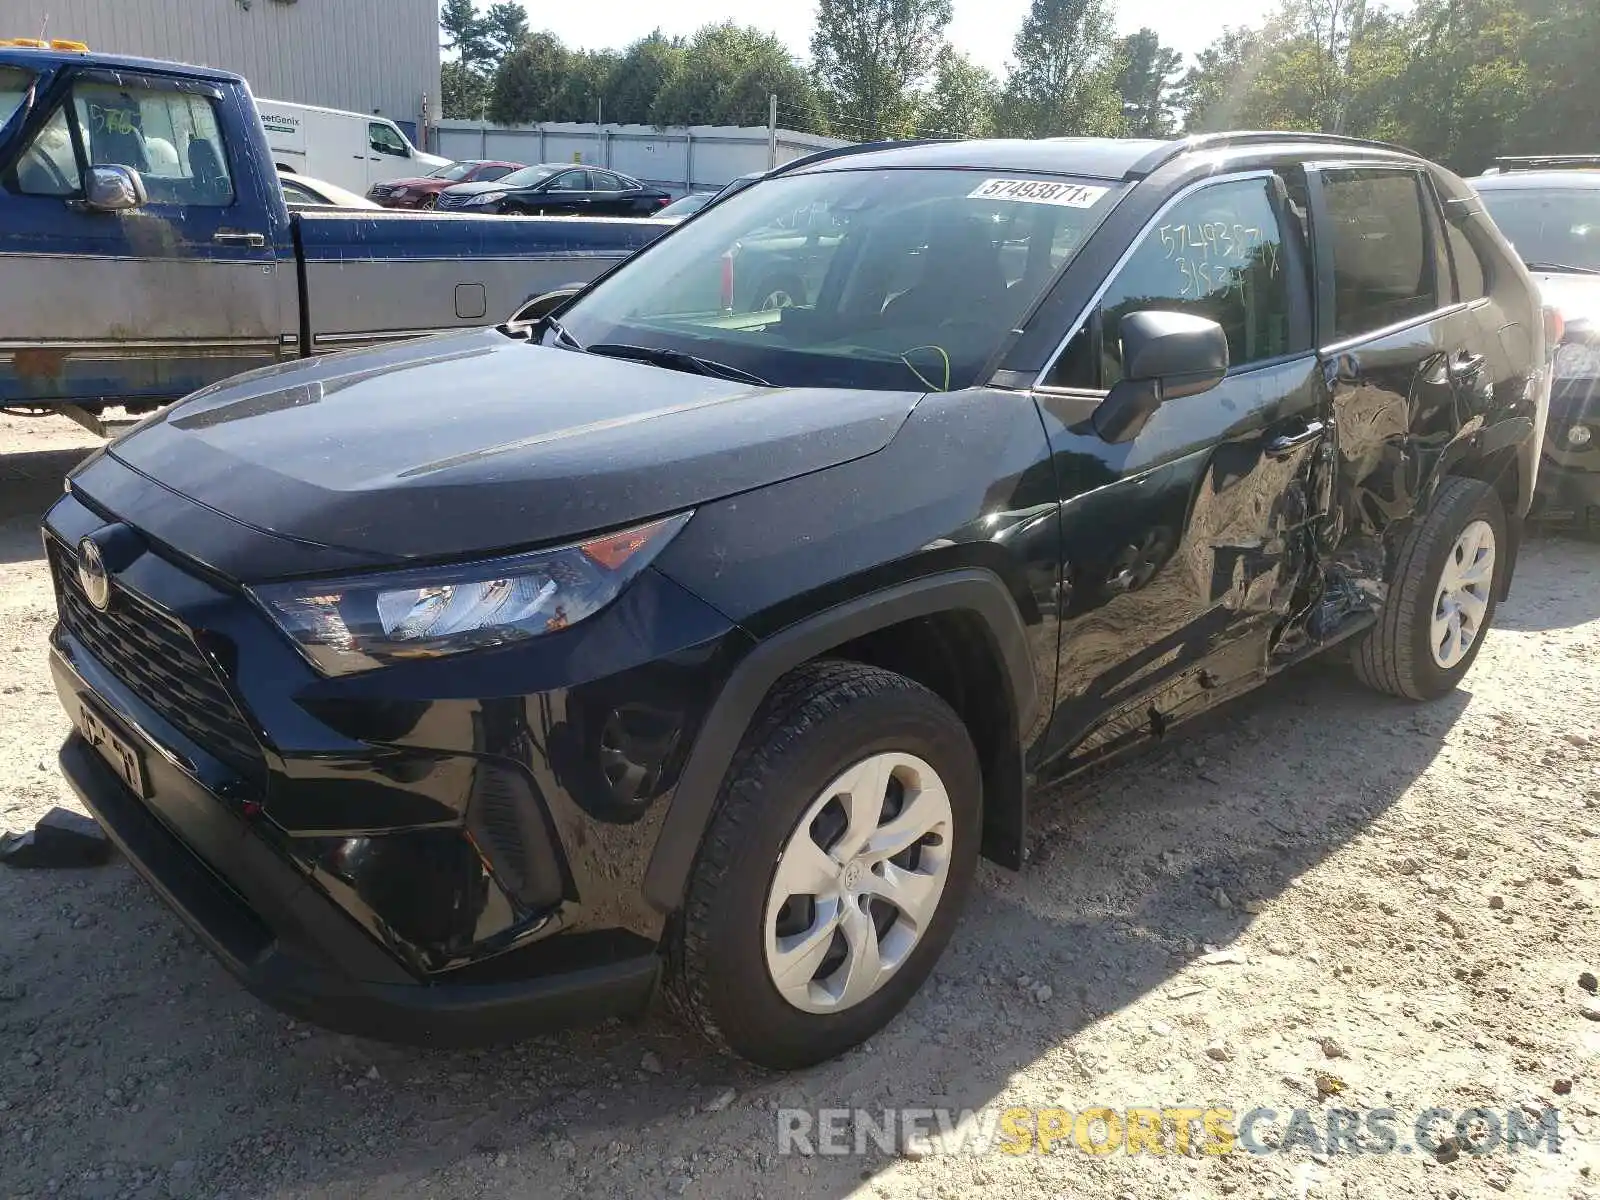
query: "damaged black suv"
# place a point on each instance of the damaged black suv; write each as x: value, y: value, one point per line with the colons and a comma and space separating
x: 457, y: 689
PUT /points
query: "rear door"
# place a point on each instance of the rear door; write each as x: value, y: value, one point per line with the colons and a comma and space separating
x: 1405, y: 360
x: 148, y: 304
x: 1184, y: 549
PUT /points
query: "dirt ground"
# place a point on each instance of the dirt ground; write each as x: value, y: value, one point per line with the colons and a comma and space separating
x: 1321, y: 899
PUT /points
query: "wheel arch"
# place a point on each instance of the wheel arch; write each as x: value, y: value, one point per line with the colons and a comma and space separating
x: 887, y: 628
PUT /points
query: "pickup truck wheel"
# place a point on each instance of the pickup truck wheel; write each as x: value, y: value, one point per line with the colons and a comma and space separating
x: 1443, y: 597
x: 842, y: 848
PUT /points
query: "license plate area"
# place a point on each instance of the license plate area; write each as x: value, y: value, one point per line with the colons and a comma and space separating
x: 119, y: 753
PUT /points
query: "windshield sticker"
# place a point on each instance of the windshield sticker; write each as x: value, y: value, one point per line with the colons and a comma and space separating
x: 1037, y: 191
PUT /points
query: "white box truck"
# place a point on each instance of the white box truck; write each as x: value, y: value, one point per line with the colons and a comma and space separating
x: 344, y: 148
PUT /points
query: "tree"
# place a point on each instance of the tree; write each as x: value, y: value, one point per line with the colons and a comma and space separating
x: 725, y: 77
x: 1064, y: 79
x: 527, y: 87
x: 645, y: 68
x: 962, y: 101
x: 464, y: 90
x: 587, y: 82
x: 464, y: 33
x: 871, y: 56
x: 1147, y: 75
x: 504, y: 27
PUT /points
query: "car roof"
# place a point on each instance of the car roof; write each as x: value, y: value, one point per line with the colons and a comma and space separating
x: 40, y: 58
x: 1102, y: 158
x: 1524, y: 181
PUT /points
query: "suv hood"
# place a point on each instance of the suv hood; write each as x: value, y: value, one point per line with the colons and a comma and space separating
x: 1575, y: 297
x: 477, y: 442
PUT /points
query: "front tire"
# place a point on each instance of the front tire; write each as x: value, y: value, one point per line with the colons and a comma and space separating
x: 1443, y: 597
x: 842, y: 849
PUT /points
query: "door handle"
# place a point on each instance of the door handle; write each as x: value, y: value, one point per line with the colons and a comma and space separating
x: 1281, y: 447
x: 231, y: 237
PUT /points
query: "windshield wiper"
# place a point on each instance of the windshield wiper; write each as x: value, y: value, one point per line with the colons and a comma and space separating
x: 677, y: 360
x: 1561, y: 268
x: 562, y: 334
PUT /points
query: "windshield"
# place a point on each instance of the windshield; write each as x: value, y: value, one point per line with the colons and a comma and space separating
x: 452, y: 171
x: 888, y: 279
x: 1552, y: 226
x: 529, y: 175
x: 14, y: 85
x: 685, y: 206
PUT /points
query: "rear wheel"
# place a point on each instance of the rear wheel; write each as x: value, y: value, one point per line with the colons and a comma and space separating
x: 1443, y: 597
x: 833, y: 874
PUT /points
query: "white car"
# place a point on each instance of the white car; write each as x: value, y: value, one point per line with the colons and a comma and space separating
x: 301, y: 191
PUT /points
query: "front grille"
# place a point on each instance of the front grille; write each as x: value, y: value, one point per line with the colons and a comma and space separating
x: 156, y: 658
x: 446, y: 200
x: 380, y: 191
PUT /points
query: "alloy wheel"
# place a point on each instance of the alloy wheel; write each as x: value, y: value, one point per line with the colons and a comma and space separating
x: 1461, y: 601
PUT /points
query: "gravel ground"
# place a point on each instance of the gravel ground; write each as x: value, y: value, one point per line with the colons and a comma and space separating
x: 1317, y: 894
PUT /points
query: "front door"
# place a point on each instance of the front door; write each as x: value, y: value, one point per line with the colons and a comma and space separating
x: 1407, y: 365
x: 565, y: 195
x: 1185, y: 547
x: 143, y: 305
x: 388, y: 156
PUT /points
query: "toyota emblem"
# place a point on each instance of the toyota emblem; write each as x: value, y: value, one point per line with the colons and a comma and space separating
x: 92, y: 574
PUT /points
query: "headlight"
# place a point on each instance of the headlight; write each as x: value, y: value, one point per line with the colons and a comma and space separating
x: 345, y: 625
x: 1576, y: 360
x: 398, y: 193
x: 487, y: 198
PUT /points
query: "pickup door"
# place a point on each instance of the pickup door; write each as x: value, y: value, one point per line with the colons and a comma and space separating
x: 147, y: 304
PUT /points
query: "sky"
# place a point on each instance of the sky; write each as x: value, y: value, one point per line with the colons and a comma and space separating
x: 983, y: 29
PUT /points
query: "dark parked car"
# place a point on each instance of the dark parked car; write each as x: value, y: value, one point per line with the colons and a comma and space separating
x: 1549, y: 209
x: 686, y: 206
x: 424, y: 192
x: 462, y: 688
x: 559, y: 190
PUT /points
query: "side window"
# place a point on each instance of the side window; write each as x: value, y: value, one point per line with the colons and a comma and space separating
x: 1219, y: 254
x: 296, y: 196
x: 49, y: 166
x: 1382, y: 270
x: 1471, y: 275
x: 490, y: 174
x: 385, y: 140
x: 171, y: 138
x: 570, y: 181
x: 604, y: 181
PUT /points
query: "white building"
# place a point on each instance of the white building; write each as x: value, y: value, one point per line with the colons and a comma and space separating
x: 362, y: 55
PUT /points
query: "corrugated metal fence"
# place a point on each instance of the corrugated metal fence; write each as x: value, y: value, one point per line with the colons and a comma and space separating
x: 699, y: 158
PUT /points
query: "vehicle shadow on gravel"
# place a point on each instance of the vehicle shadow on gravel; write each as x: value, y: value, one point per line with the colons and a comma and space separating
x: 1122, y: 895
x: 29, y: 484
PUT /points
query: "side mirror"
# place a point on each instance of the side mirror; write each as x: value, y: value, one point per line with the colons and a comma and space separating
x: 537, y: 308
x: 1165, y: 356
x: 114, y: 189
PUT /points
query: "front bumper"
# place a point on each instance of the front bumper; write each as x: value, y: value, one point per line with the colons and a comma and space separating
x: 447, y: 851
x: 1569, y: 477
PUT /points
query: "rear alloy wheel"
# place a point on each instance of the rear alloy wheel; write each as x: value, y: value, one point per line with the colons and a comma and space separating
x: 1442, y: 598
x: 834, y: 871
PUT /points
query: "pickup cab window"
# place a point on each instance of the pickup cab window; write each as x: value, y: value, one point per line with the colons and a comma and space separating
x: 171, y: 138
x: 14, y: 85
x: 49, y: 167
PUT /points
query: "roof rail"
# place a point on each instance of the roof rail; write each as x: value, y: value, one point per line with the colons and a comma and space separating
x: 1209, y: 141
x: 1546, y: 162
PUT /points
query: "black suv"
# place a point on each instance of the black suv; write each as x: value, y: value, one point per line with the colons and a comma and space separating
x: 461, y: 688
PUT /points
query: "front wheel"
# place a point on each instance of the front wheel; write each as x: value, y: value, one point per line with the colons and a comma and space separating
x: 1443, y: 596
x: 843, y: 847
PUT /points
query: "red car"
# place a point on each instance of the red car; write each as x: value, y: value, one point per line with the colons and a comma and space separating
x: 424, y: 192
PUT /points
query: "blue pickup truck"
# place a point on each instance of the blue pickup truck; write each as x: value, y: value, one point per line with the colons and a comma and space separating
x: 146, y: 250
